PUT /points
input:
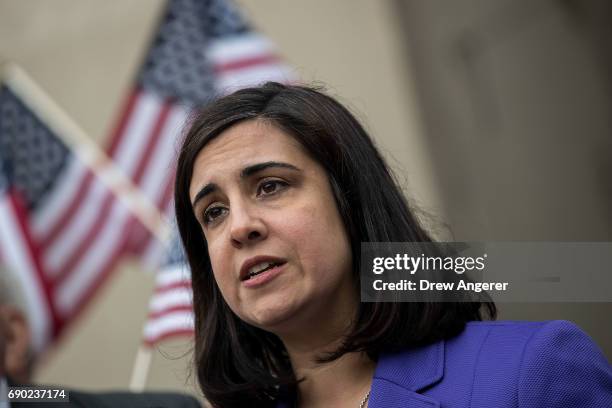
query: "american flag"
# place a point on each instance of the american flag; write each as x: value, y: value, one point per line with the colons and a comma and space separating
x: 201, y: 50
x: 17, y: 249
x: 170, y: 307
x: 59, y: 213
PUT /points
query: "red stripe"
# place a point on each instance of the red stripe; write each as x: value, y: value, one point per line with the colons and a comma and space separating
x: 124, y: 117
x: 139, y: 236
x: 136, y: 232
x: 166, y: 335
x: 139, y: 245
x: 68, y: 211
x: 246, y: 63
x: 146, y: 155
x: 172, y: 309
x: 186, y: 284
x: 34, y: 252
x: 87, y: 239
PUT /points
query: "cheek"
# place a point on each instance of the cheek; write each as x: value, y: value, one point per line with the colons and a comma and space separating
x: 222, y: 270
x: 320, y: 239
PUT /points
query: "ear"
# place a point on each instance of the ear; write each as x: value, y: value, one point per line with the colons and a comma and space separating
x: 18, y: 338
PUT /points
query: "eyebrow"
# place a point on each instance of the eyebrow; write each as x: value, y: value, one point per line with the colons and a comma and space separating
x: 246, y: 172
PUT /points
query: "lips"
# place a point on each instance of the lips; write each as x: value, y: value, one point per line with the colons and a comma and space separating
x: 257, y: 265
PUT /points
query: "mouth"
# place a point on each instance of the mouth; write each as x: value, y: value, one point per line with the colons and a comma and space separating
x: 258, y: 265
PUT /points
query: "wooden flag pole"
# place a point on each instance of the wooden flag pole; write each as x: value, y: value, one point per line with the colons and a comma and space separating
x: 87, y: 151
x: 140, y: 372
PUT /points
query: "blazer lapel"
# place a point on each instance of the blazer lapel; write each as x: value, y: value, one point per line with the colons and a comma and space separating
x: 399, y: 377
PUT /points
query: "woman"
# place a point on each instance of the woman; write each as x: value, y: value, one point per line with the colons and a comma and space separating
x: 276, y: 188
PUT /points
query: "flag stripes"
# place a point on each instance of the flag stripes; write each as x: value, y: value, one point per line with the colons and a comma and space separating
x: 246, y: 60
x: 18, y: 251
x: 170, y: 308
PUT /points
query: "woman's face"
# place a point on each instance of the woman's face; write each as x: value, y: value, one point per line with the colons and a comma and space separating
x: 278, y: 248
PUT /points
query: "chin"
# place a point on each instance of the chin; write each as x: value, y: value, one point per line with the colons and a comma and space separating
x: 272, y: 318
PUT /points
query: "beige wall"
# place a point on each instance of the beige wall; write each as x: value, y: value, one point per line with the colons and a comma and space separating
x: 84, y: 54
x: 516, y: 103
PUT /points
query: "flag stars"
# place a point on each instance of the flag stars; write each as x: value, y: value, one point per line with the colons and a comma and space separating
x: 177, y: 65
x: 32, y: 156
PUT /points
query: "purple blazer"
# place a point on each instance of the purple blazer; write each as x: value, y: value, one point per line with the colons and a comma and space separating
x: 497, y: 365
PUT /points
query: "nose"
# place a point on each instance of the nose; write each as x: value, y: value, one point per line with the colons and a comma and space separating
x: 247, y: 226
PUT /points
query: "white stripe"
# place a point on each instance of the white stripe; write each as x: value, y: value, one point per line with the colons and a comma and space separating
x: 170, y: 298
x: 163, y: 156
x: 54, y: 205
x: 229, y: 49
x: 153, y: 255
x: 172, y: 274
x: 251, y: 76
x: 137, y: 132
x: 73, y: 288
x: 17, y: 255
x: 172, y: 322
x: 80, y: 223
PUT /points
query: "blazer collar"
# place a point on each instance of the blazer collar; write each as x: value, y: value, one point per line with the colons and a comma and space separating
x: 399, y: 377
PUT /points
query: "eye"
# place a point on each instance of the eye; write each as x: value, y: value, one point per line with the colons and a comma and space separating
x: 269, y: 187
x: 212, y: 213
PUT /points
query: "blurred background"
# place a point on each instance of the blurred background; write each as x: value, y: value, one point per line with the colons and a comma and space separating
x: 495, y: 115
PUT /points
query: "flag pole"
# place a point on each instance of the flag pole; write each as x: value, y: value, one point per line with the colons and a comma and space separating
x: 140, y: 372
x: 87, y: 151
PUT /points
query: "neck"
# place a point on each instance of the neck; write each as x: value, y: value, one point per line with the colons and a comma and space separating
x: 342, y: 382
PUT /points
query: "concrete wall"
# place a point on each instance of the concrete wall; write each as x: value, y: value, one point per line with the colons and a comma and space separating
x: 517, y: 108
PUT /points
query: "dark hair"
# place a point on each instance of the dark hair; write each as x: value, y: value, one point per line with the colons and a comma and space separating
x: 238, y: 364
